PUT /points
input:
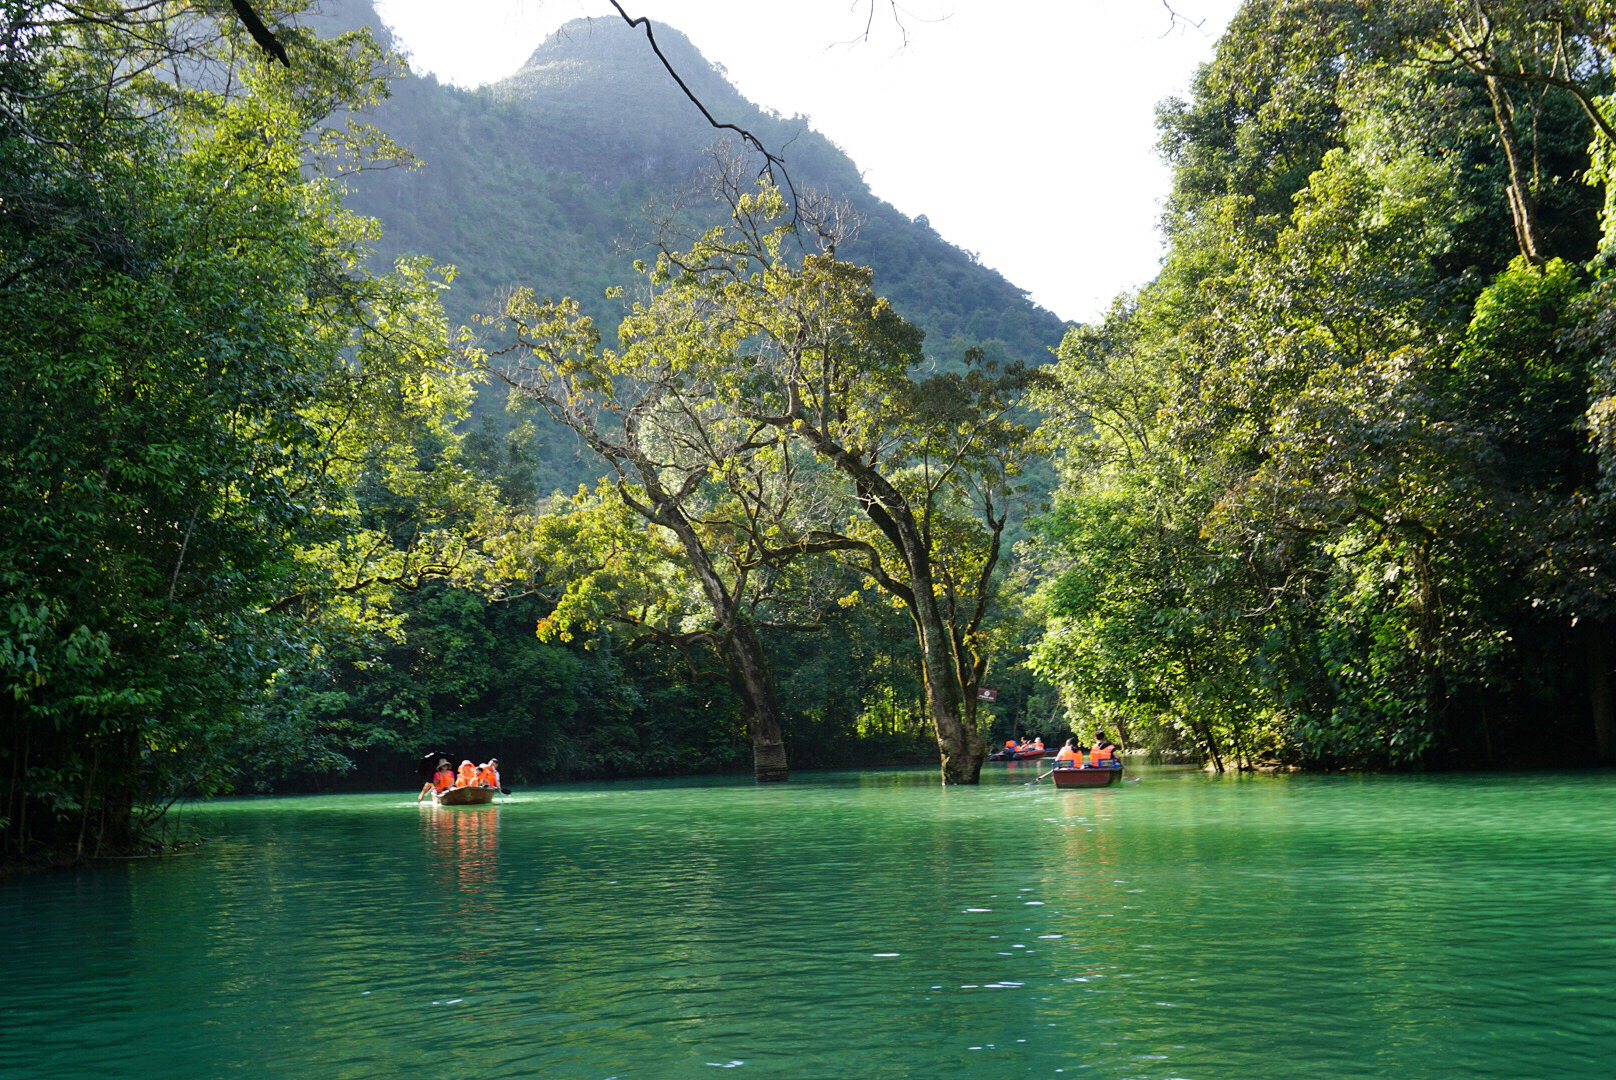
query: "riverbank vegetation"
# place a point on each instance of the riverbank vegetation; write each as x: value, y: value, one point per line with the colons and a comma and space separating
x: 212, y: 407
x: 1338, y: 483
x: 1334, y: 490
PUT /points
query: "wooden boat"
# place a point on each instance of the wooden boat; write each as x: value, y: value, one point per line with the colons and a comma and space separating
x: 1076, y: 778
x: 464, y: 796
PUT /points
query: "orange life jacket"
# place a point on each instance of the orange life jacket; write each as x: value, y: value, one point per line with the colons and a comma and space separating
x: 1099, y: 754
x: 442, y: 780
x: 1009, y: 744
x: 1069, y: 755
x: 467, y: 776
x: 488, y: 778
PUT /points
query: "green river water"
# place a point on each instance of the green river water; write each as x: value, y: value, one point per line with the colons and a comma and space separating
x: 845, y: 925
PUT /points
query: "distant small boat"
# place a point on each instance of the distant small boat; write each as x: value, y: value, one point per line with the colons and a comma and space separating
x: 1004, y: 753
x: 1093, y: 777
x: 464, y: 796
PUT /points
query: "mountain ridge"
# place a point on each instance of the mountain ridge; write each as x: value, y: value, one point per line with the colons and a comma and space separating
x: 535, y: 179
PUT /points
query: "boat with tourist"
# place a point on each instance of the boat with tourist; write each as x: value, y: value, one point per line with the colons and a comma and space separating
x: 470, y: 785
x: 1011, y: 751
x: 1087, y: 776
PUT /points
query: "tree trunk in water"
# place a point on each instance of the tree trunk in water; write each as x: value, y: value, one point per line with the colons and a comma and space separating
x: 1212, y: 748
x: 756, y: 684
x: 742, y: 650
x: 1599, y: 699
x: 962, y: 750
x: 1124, y: 737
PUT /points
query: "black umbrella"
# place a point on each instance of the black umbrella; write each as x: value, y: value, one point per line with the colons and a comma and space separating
x: 429, y: 764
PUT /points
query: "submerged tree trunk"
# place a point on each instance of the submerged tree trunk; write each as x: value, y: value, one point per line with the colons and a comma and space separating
x: 1212, y: 747
x: 742, y: 649
x: 753, y: 679
x: 962, y: 750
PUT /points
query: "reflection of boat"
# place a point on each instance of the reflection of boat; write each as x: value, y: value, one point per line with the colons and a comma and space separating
x: 1004, y: 753
x: 1090, y: 777
x: 464, y: 796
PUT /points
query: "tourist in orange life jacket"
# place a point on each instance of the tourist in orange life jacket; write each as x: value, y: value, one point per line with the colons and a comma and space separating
x: 441, y: 781
x: 488, y: 774
x: 1069, y: 753
x: 467, y: 777
x: 1104, y: 751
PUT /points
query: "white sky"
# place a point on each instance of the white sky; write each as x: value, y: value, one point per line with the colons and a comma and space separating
x: 1024, y: 129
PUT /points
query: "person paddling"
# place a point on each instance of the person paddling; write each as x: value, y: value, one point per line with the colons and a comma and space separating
x: 488, y: 774
x: 441, y: 781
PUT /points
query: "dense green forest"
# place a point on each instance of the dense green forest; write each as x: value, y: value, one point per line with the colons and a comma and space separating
x: 1337, y: 484
x: 1334, y: 490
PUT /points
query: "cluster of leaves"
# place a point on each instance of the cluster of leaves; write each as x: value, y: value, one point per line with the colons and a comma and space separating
x: 1330, y: 495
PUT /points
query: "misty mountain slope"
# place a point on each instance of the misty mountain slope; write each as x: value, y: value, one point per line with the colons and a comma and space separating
x: 540, y: 178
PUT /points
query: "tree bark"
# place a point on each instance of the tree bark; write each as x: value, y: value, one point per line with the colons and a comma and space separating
x: 1212, y: 746
x: 753, y: 679
x: 962, y: 750
x: 1522, y: 202
x: 741, y: 646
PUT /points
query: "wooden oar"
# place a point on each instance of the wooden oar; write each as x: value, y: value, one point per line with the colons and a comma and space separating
x: 1035, y: 779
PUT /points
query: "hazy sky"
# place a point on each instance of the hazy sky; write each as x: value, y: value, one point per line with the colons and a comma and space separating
x: 1024, y: 129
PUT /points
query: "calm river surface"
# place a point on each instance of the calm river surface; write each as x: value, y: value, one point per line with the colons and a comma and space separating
x: 846, y: 925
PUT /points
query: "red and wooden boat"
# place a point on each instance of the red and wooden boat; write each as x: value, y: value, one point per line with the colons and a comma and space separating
x: 1004, y: 754
x: 1090, y: 777
x: 465, y: 796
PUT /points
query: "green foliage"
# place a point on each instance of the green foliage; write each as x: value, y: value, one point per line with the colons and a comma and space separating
x: 1328, y: 484
x: 204, y: 378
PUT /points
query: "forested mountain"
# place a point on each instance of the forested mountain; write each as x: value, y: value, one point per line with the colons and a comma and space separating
x: 543, y: 178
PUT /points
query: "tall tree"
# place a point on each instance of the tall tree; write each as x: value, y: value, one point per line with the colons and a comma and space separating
x: 820, y: 359
x: 719, y: 484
